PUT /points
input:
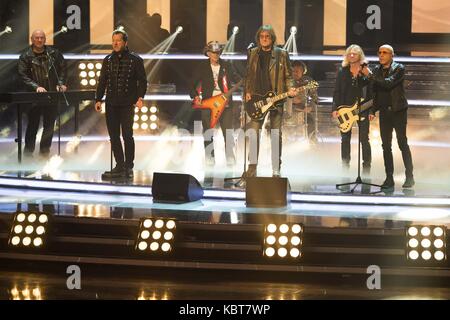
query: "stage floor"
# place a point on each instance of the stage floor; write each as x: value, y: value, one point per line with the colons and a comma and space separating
x: 216, y: 210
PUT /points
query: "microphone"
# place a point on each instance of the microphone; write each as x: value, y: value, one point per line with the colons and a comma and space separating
x: 251, y: 45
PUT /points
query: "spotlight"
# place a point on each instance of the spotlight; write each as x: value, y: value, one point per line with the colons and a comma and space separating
x: 425, y: 244
x: 8, y: 29
x: 153, y: 109
x: 235, y: 29
x: 156, y: 235
x: 179, y: 29
x: 63, y: 29
x: 90, y: 73
x: 120, y: 28
x: 29, y: 230
x: 283, y: 240
x: 293, y: 30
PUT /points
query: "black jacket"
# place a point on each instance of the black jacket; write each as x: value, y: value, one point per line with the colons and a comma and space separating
x: 203, y: 77
x: 38, y: 70
x: 344, y: 93
x: 122, y: 78
x: 393, y: 82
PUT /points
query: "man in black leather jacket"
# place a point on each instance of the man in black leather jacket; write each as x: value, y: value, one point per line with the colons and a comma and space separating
x: 124, y: 82
x: 36, y: 69
x: 389, y: 98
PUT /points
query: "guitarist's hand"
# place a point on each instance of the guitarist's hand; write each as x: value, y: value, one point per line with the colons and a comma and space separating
x: 197, y: 100
x: 248, y: 97
x: 334, y: 114
x: 292, y: 92
x: 371, y: 117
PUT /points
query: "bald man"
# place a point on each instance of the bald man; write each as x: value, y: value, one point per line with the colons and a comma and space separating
x: 389, y: 98
x: 37, y: 71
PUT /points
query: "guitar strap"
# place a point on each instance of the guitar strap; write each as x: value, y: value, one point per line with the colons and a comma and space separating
x: 277, y: 68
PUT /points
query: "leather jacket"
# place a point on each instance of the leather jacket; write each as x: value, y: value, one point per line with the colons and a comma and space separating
x: 122, y: 78
x: 393, y: 82
x: 285, y: 80
x: 36, y: 70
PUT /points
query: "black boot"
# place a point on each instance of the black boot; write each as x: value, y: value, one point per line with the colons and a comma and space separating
x: 409, y: 182
x: 251, y: 172
x: 117, y: 172
x: 388, y: 183
x: 129, y: 174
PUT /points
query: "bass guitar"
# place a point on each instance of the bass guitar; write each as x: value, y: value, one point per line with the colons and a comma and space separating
x: 347, y: 115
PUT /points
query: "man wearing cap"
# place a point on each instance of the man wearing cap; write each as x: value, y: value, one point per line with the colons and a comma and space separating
x: 389, y: 98
x: 213, y: 77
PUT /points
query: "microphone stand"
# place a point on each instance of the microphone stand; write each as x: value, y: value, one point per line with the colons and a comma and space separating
x: 52, y: 66
x: 358, y: 180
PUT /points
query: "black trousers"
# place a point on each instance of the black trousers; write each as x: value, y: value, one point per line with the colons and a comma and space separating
x: 121, y: 118
x: 48, y: 114
x: 365, y: 145
x: 276, y: 119
x: 389, y: 121
x: 226, y: 122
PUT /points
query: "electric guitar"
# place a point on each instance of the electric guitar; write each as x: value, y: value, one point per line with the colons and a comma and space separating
x: 347, y: 115
x: 258, y: 106
x: 217, y: 104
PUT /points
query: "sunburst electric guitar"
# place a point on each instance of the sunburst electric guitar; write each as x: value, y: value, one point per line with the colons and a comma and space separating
x: 217, y: 104
x: 258, y: 106
x: 347, y: 115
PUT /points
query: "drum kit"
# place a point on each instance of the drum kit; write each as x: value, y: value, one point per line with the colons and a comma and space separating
x: 298, y: 119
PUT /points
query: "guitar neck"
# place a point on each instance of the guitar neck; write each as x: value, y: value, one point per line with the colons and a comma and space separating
x: 235, y: 87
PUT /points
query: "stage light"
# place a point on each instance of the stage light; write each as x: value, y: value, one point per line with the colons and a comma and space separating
x: 135, y: 126
x: 153, y: 109
x: 156, y: 235
x: 439, y: 255
x: 179, y: 29
x: 120, y: 28
x: 438, y: 243
x: 144, y: 117
x: 153, y: 118
x: 144, y: 126
x: 63, y: 29
x: 26, y: 293
x: 412, y: 231
x: 285, y: 240
x: 427, y: 243
x: 153, y: 126
x: 29, y: 230
x: 235, y: 30
x: 293, y: 30
x: 144, y: 109
x: 90, y: 73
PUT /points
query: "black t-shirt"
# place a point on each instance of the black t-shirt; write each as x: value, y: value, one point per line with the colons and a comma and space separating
x: 263, y: 84
x: 384, y: 98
